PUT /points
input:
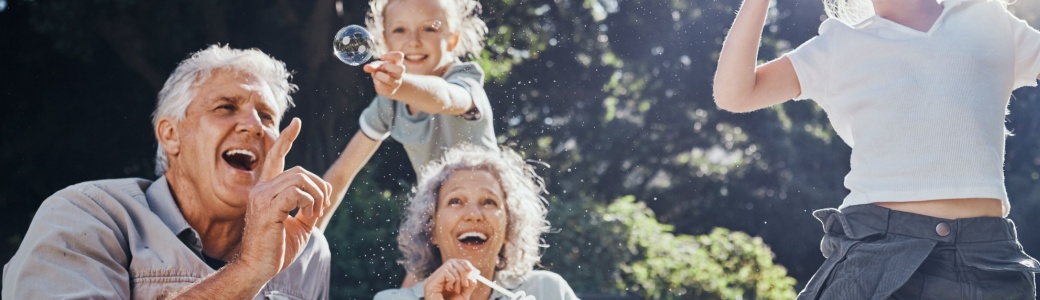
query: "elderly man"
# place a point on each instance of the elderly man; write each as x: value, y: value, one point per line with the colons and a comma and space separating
x: 216, y: 224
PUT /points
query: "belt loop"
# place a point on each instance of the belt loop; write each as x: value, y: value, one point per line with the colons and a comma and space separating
x: 1011, y: 229
x: 888, y: 219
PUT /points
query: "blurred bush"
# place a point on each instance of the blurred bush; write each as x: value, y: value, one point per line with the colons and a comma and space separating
x: 622, y: 249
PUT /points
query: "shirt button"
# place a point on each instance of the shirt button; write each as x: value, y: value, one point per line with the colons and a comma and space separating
x: 943, y: 229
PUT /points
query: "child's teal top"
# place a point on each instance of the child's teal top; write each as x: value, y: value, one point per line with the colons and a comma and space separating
x: 426, y: 137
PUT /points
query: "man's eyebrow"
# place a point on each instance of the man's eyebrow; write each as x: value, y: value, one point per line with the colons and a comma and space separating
x: 263, y: 104
x: 225, y: 98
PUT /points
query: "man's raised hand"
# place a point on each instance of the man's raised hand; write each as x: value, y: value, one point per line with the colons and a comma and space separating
x: 272, y: 238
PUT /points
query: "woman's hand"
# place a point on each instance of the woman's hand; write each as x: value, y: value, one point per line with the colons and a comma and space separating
x: 450, y: 281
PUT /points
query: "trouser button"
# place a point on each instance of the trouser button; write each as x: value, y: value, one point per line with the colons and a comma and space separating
x: 943, y: 229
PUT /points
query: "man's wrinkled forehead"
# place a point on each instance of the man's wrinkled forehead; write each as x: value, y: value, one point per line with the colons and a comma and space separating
x: 250, y: 83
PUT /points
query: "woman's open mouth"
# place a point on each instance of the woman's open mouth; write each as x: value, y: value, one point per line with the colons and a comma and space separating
x: 472, y: 238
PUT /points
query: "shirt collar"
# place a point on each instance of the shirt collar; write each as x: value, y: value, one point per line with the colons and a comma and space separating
x: 162, y: 203
x: 890, y: 29
x: 948, y: 4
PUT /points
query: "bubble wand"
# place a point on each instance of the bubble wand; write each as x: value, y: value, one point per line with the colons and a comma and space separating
x: 475, y: 274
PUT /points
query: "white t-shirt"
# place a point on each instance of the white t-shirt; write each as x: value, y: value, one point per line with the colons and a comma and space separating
x: 543, y: 285
x: 923, y: 111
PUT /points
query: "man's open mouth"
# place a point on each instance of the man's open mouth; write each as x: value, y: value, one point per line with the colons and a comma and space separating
x: 473, y: 238
x: 240, y: 159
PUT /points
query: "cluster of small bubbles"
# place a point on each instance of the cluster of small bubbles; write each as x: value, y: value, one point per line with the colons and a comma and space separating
x: 352, y: 45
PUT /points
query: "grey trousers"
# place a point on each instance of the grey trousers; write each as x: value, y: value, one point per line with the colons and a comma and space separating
x: 876, y: 253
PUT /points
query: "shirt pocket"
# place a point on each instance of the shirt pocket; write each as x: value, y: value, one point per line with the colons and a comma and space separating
x: 279, y: 295
x: 159, y: 286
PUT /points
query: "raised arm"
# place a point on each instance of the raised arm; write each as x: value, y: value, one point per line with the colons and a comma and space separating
x: 342, y: 173
x: 434, y: 95
x: 740, y: 85
x: 431, y: 94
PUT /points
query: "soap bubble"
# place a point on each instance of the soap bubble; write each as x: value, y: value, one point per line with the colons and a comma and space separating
x: 352, y: 44
x: 3, y: 5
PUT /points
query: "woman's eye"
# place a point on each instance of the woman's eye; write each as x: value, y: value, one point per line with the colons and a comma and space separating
x: 226, y: 107
x: 454, y: 201
x: 397, y: 30
x: 266, y: 117
x: 490, y: 202
x: 430, y: 29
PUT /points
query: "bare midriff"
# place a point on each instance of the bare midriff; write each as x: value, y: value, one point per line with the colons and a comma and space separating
x: 960, y: 208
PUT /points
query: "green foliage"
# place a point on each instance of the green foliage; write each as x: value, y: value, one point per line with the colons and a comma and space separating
x: 621, y: 248
x: 362, y: 236
x: 622, y: 106
x: 587, y: 250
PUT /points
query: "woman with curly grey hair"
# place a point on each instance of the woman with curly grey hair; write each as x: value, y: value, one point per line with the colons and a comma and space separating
x: 476, y: 209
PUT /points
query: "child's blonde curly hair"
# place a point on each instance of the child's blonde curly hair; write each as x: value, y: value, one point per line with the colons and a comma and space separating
x: 463, y: 19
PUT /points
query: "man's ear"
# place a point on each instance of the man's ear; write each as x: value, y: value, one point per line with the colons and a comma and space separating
x: 166, y: 133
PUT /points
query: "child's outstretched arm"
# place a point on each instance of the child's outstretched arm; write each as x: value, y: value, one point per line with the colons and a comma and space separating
x: 739, y: 85
x: 342, y: 172
x: 431, y: 94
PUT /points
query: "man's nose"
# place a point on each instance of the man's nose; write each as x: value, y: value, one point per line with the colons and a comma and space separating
x: 250, y: 122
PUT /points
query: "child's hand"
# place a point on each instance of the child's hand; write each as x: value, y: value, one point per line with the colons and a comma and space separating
x: 386, y: 74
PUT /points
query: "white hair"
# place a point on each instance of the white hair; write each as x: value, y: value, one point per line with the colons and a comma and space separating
x: 525, y: 209
x: 463, y: 19
x: 178, y: 91
x: 855, y: 11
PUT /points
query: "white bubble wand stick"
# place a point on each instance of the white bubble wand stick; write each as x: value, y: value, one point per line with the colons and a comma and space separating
x: 475, y: 274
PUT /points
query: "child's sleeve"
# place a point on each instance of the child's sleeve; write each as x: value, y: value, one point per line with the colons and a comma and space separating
x: 470, y: 77
x: 377, y: 118
x: 811, y: 63
x: 1027, y: 52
